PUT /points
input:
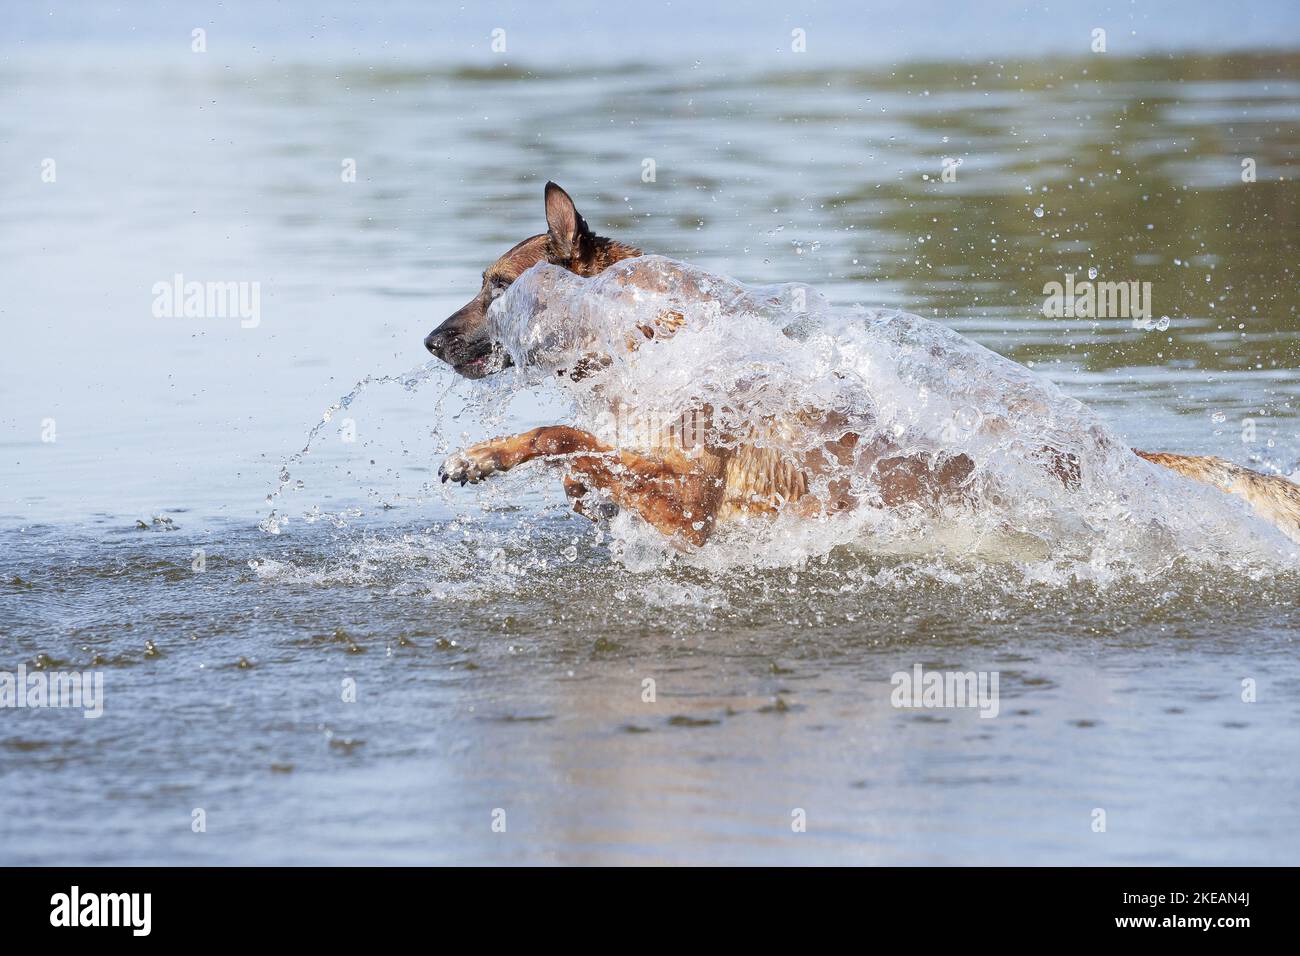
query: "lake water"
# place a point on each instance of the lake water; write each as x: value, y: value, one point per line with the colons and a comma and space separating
x: 497, y: 646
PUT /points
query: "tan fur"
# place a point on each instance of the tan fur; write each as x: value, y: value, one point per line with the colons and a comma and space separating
x: 460, y: 341
x: 678, y: 496
x: 687, y: 493
x: 684, y: 493
x: 1272, y: 497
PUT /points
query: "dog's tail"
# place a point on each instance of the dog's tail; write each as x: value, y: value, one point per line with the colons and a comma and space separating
x: 1272, y: 497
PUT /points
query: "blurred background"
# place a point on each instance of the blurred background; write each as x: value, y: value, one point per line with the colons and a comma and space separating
x: 785, y: 142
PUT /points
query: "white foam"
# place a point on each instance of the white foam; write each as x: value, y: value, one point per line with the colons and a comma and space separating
x: 759, y: 355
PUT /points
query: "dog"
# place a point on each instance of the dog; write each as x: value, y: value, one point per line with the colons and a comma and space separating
x: 688, y: 493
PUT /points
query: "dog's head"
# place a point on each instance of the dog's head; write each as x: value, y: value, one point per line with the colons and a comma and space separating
x: 463, y: 342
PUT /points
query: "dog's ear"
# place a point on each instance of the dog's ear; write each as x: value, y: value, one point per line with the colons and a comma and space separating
x: 564, y: 226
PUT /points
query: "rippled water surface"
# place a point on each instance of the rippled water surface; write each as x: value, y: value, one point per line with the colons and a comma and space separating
x: 498, y: 645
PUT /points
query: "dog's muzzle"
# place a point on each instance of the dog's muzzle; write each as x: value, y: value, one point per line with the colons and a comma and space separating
x: 472, y: 358
x: 438, y: 341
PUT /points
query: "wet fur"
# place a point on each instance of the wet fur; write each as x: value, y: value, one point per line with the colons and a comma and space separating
x: 686, y: 496
x: 1272, y: 497
x: 461, y: 341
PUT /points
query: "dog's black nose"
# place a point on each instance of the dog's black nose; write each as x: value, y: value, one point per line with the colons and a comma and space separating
x: 438, y: 340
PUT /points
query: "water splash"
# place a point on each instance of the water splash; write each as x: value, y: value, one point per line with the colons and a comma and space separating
x: 778, y: 368
x: 1054, y: 495
x: 410, y: 380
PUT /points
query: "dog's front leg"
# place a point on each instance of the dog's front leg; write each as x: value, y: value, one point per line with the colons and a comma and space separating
x: 681, y: 502
x: 501, y: 454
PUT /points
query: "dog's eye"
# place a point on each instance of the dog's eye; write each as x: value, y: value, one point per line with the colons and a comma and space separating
x: 497, y: 285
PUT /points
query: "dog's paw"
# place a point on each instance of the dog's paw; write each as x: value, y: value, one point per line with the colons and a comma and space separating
x: 469, y: 466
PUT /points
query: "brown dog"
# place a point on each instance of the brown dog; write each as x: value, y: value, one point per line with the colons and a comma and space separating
x: 462, y: 341
x: 685, y: 493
